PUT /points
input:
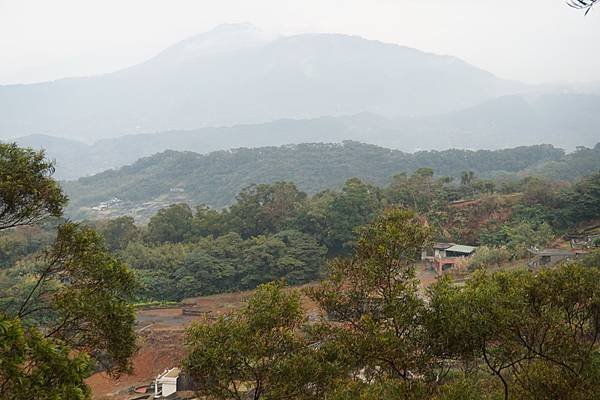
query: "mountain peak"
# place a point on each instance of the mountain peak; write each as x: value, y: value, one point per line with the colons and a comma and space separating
x: 222, y: 38
x: 238, y: 74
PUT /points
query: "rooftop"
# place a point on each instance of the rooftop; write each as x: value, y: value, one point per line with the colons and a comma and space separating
x: 172, y: 373
x: 552, y: 252
x: 461, y: 248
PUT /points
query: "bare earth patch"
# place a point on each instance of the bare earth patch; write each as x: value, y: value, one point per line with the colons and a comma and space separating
x: 162, y: 331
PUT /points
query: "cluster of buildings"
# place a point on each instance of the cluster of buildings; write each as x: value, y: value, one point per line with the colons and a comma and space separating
x: 580, y: 243
x: 445, y: 256
x: 106, y: 204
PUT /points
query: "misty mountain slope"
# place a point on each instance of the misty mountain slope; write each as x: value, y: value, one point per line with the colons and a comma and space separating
x: 75, y: 159
x: 238, y: 75
x: 72, y: 158
x: 564, y: 120
x: 216, y: 178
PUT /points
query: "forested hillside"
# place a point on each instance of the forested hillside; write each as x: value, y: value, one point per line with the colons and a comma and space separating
x: 216, y: 178
x: 275, y: 231
x: 583, y: 161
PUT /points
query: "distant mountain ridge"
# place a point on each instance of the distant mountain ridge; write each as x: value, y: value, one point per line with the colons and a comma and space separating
x: 237, y: 74
x: 216, y: 178
x: 564, y: 120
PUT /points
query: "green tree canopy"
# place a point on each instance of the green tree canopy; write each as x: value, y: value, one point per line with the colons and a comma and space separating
x: 118, y: 232
x: 70, y: 306
x: 257, y: 353
x: 262, y: 209
x: 172, y: 224
x: 355, y: 206
x: 35, y: 367
x: 582, y: 202
x: 375, y: 297
x: 537, y: 334
x: 28, y: 193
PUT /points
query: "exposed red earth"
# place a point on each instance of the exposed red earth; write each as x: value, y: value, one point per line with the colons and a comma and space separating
x: 162, y: 332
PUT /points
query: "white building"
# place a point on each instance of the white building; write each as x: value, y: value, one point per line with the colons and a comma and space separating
x: 166, y: 383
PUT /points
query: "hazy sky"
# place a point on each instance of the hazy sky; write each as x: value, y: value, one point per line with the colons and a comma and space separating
x: 534, y: 41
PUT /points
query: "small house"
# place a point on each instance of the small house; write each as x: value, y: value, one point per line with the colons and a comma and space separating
x: 460, y: 250
x: 550, y: 257
x: 443, y: 256
x: 166, y: 383
x: 583, y: 241
x: 436, y: 251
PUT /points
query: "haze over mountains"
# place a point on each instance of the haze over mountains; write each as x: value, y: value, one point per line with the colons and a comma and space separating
x: 237, y: 86
x: 566, y: 121
x: 236, y: 74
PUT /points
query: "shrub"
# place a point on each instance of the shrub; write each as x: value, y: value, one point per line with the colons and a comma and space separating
x: 488, y: 256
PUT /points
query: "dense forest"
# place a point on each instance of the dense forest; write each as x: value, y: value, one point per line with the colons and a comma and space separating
x: 216, y: 178
x: 276, y: 231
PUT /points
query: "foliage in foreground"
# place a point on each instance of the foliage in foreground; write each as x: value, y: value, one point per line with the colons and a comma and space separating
x: 75, y: 313
x: 260, y: 350
x: 72, y: 307
x: 506, y: 335
x: 35, y: 367
x: 28, y: 193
